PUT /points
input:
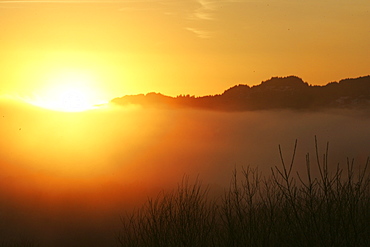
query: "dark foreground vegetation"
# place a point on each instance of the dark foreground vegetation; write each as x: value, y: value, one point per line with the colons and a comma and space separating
x: 323, y: 207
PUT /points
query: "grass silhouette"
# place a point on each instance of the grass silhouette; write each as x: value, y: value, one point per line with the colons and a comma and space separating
x: 329, y: 207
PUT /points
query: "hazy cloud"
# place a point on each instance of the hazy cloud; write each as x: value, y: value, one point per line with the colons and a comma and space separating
x: 207, y: 8
x: 200, y: 33
x: 207, y: 11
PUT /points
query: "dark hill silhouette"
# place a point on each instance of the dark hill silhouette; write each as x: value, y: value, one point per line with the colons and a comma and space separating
x: 276, y: 93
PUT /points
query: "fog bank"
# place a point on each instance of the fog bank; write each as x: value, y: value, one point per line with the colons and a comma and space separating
x: 67, y: 177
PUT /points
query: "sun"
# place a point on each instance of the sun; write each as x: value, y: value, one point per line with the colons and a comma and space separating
x: 69, y: 98
x: 68, y: 92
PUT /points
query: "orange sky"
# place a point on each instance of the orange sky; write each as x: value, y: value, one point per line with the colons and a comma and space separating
x: 68, y: 55
x: 195, y: 47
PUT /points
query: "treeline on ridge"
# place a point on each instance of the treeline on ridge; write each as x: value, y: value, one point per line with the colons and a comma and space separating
x: 276, y: 93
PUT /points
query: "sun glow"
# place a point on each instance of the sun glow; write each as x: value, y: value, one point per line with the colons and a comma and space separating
x: 70, y: 92
x: 66, y: 98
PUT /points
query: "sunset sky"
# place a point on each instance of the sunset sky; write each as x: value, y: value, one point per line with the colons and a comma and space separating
x: 196, y: 47
x: 70, y: 164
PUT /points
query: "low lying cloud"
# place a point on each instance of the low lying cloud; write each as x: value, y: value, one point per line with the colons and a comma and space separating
x: 65, y: 178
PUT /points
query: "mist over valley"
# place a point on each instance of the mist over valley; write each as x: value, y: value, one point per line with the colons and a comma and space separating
x: 67, y: 177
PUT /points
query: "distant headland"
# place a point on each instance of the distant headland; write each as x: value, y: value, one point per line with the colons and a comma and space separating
x: 276, y: 93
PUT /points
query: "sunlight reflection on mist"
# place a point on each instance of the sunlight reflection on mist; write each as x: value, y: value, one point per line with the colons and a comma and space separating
x: 142, y: 141
x: 90, y: 166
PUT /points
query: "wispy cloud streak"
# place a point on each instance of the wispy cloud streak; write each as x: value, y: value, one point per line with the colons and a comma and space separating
x: 207, y: 12
x: 200, y: 33
x: 207, y: 8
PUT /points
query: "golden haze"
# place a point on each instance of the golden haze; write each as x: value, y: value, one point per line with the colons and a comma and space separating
x: 62, y: 159
x: 180, y: 47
